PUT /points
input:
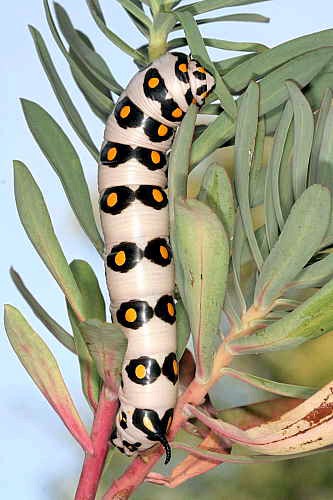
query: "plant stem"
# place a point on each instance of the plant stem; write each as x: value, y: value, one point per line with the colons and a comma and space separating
x: 135, y: 474
x: 101, y: 431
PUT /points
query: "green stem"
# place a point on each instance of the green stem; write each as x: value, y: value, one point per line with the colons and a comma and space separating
x: 163, y: 23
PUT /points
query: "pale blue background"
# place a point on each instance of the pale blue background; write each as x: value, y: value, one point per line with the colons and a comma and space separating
x: 38, y: 458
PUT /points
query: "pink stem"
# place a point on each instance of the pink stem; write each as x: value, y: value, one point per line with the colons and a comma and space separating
x: 100, y: 435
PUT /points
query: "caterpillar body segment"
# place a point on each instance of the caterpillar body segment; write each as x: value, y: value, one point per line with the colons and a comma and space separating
x: 138, y: 258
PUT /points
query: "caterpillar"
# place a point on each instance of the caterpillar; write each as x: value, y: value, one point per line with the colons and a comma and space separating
x: 139, y: 268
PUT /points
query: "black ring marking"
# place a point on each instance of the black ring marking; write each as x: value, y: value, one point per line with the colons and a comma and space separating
x: 153, y: 160
x: 133, y: 118
x: 156, y: 131
x: 143, y: 370
x: 123, y: 420
x: 199, y: 75
x: 182, y: 59
x: 132, y: 446
x: 189, y: 96
x: 115, y: 199
x: 143, y: 313
x: 153, y: 196
x: 115, y: 153
x: 171, y: 111
x: 165, y: 309
x: 124, y: 256
x: 170, y: 368
x: 158, y: 90
x: 201, y: 90
x: 158, y: 251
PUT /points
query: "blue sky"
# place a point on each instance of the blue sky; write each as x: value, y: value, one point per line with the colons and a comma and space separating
x: 37, y: 453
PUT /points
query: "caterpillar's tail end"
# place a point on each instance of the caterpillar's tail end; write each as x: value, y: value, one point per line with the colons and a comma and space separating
x: 167, y: 448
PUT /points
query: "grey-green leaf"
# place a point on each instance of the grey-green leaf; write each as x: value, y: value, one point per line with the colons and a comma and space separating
x: 58, y: 331
x: 36, y: 221
x: 300, y: 238
x: 310, y: 320
x: 183, y: 328
x: 107, y: 346
x: 203, y: 252
x: 216, y: 192
x: 66, y: 163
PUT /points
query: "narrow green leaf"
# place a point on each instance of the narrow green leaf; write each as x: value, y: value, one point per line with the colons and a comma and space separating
x: 258, y: 170
x: 317, y: 88
x: 141, y: 27
x: 264, y: 63
x: 203, y: 251
x: 177, y: 178
x: 94, y: 307
x: 285, y: 175
x: 97, y: 95
x: 310, y: 320
x: 315, y: 275
x: 208, y: 5
x: 300, y: 238
x: 199, y: 52
x: 115, y: 39
x: 227, y: 65
x: 58, y: 331
x: 63, y: 158
x: 325, y: 160
x: 107, y: 346
x: 271, y: 222
x: 241, y: 17
x: 183, y: 328
x: 42, y: 367
x: 303, y: 137
x: 136, y: 12
x: 287, y: 390
x: 246, y: 132
x: 89, y: 58
x: 217, y: 43
x: 61, y: 93
x: 280, y: 139
x: 238, y: 243
x: 273, y: 92
x: 216, y: 192
x: 325, y: 107
x: 36, y: 221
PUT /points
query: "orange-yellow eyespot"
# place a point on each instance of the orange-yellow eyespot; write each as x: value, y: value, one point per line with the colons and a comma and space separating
x: 157, y: 195
x: 182, y: 67
x: 203, y: 95
x: 112, y: 199
x: 120, y: 258
x: 201, y: 69
x: 155, y: 157
x: 153, y: 82
x: 125, y: 111
x: 162, y: 130
x: 148, y: 424
x: 175, y: 367
x: 131, y: 315
x: 171, y: 309
x: 164, y: 252
x: 140, y: 371
x: 111, y: 154
x: 194, y: 100
x: 177, y: 113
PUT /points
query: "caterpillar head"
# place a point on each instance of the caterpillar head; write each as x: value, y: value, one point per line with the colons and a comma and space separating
x: 201, y: 81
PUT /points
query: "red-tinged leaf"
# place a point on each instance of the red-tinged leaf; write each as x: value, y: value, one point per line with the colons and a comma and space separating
x: 42, y: 366
x: 306, y: 428
x: 191, y: 466
x: 107, y: 346
x: 246, y: 417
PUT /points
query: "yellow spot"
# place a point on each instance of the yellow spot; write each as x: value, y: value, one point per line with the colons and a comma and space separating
x: 125, y: 111
x: 120, y: 258
x: 147, y: 423
x: 168, y: 424
x: 182, y: 67
x: 140, y: 371
x: 155, y: 157
x: 177, y: 113
x: 112, y: 199
x: 171, y: 309
x: 162, y: 130
x: 157, y: 195
x: 153, y: 82
x: 175, y: 367
x: 112, y: 154
x: 194, y: 101
x: 164, y: 252
x: 131, y: 315
x: 202, y: 70
x: 203, y: 95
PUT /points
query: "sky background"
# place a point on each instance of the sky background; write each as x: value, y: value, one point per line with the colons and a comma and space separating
x: 38, y: 459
